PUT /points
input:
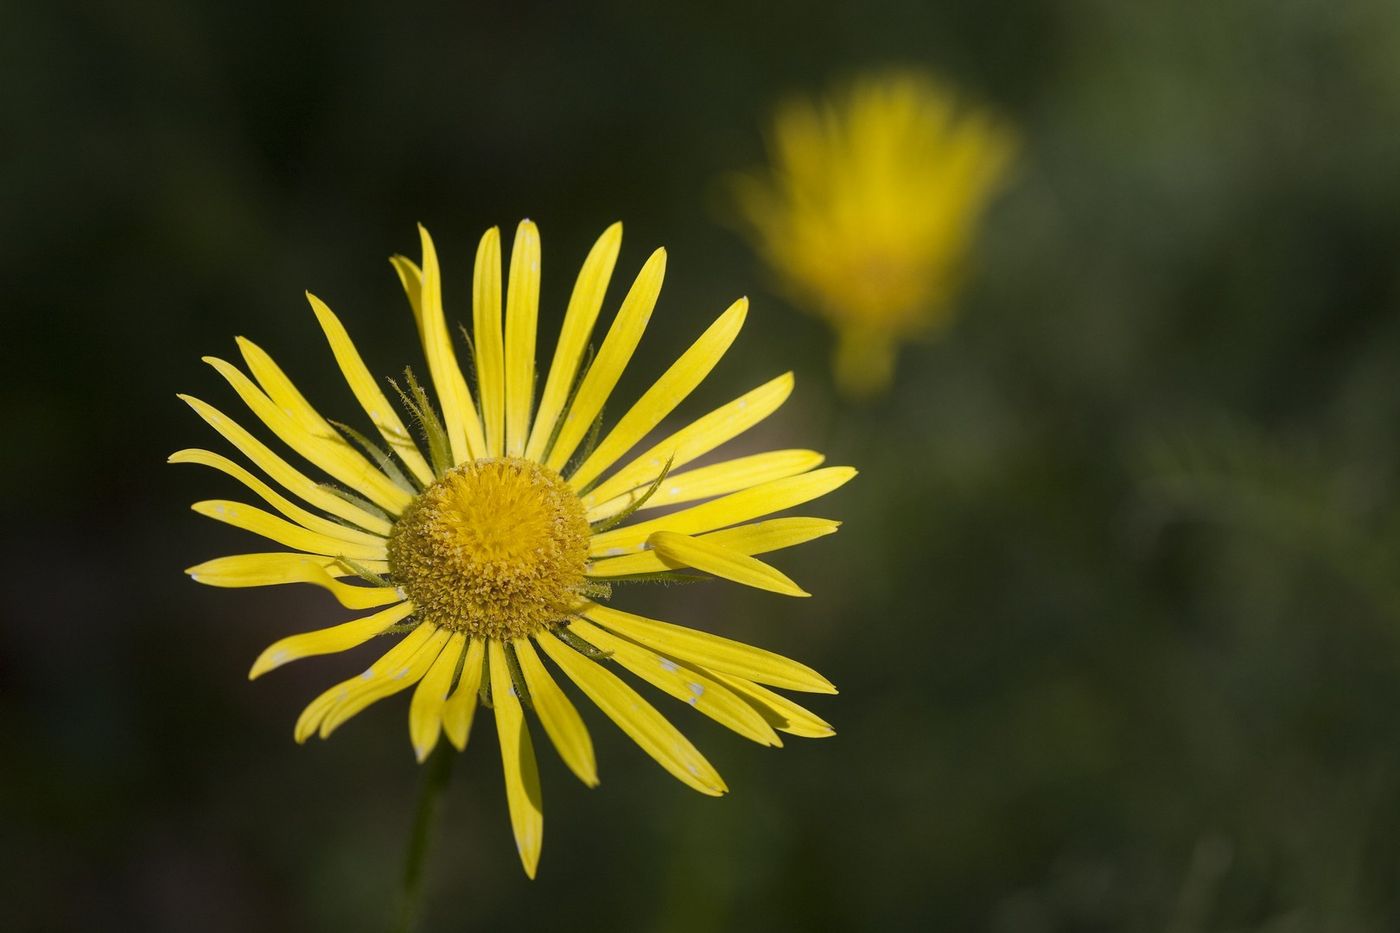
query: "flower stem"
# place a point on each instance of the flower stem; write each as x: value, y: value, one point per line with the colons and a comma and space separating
x: 435, y: 776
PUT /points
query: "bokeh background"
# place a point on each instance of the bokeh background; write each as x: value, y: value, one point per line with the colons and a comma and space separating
x: 1116, y: 607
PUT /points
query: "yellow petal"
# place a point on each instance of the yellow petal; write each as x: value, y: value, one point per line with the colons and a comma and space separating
x: 324, y: 448
x: 341, y: 637
x: 713, y: 480
x: 558, y: 716
x: 241, y: 570
x: 612, y: 358
x: 368, y: 393
x: 460, y: 708
x: 411, y: 278
x: 518, y: 759
x: 522, y: 319
x: 458, y: 411
x: 756, y: 538
x: 425, y: 710
x: 700, y: 689
x: 487, y: 341
x: 384, y: 682
x: 284, y: 473
x: 696, y: 439
x: 638, y: 718
x: 780, y: 712
x: 665, y: 394
x: 712, y: 652
x: 253, y: 519
x: 584, y: 304
x: 315, y: 713
x: 300, y: 516
x: 728, y: 510
x: 719, y: 560
x: 281, y: 390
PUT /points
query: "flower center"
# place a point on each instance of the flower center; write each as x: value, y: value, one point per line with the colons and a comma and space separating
x: 495, y: 548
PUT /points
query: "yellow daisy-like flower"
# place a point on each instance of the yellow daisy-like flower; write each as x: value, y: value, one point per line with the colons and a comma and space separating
x: 496, y: 544
x: 869, y: 209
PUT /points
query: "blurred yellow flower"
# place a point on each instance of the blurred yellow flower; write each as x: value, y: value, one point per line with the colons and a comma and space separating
x: 495, y: 547
x: 869, y: 209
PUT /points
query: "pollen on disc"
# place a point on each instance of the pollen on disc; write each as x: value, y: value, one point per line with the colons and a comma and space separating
x: 495, y: 548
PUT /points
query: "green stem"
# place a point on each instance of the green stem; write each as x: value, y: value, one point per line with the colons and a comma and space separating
x: 435, y: 776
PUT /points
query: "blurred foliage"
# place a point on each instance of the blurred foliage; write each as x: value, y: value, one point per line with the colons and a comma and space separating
x: 1103, y: 666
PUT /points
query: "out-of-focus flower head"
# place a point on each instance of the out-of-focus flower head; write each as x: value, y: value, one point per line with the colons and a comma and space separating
x: 869, y: 209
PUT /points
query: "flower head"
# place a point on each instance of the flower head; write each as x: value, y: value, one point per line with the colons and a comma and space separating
x: 869, y: 209
x: 496, y: 543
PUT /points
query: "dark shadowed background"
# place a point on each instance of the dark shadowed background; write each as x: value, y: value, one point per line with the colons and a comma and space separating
x: 1115, y: 611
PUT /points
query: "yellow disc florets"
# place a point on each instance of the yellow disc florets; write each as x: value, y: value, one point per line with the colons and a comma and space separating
x: 495, y: 548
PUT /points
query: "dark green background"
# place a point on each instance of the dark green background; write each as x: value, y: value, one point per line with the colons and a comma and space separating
x: 1116, y: 607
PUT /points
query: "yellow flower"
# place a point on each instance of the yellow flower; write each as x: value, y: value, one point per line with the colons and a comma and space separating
x: 869, y: 210
x: 499, y: 547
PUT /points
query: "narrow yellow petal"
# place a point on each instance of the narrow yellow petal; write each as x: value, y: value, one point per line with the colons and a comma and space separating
x: 780, y: 712
x: 719, y: 560
x: 341, y: 637
x: 518, y: 759
x: 522, y: 320
x: 716, y: 479
x: 411, y: 278
x: 560, y: 720
x: 460, y: 708
x: 458, y: 411
x: 243, y: 570
x: 251, y: 518
x: 584, y: 305
x: 728, y: 510
x: 297, y: 514
x: 315, y: 713
x: 291, y: 479
x: 487, y: 340
x: 701, y: 690
x: 638, y: 718
x: 281, y: 389
x: 713, y: 652
x: 665, y: 394
x: 696, y: 439
x: 756, y: 538
x: 324, y: 448
x: 384, y: 682
x: 612, y: 358
x: 368, y: 393
x: 425, y: 710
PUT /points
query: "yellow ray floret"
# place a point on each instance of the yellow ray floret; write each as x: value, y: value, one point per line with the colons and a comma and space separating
x: 561, y: 721
x: 638, y: 718
x: 688, y: 684
x: 522, y: 319
x: 460, y: 708
x: 668, y: 392
x: 695, y: 440
x: 368, y: 393
x: 337, y: 638
x: 711, y: 651
x: 756, y: 538
x: 704, y: 554
x: 732, y: 509
x: 518, y: 760
x: 622, y: 339
x: 584, y: 305
x: 713, y: 480
x: 429, y: 698
x: 271, y: 569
